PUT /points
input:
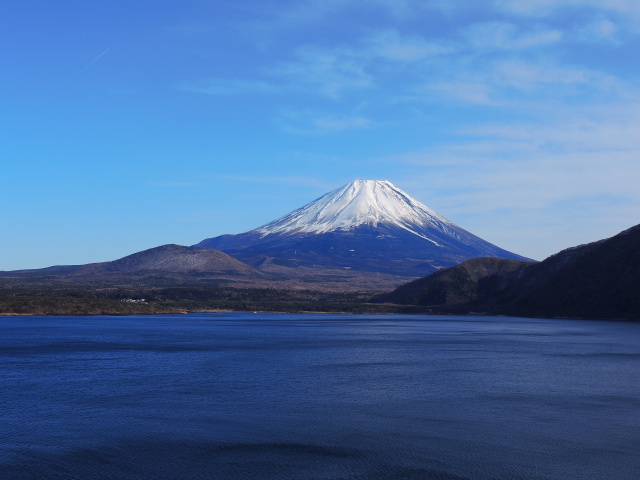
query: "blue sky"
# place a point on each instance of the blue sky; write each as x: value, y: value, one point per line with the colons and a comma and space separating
x: 127, y: 125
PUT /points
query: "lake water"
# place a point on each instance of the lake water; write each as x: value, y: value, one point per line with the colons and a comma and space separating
x: 287, y: 396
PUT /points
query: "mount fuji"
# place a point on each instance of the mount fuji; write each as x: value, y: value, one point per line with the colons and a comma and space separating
x: 365, y: 226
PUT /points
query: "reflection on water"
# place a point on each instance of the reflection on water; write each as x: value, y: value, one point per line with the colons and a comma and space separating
x: 274, y: 396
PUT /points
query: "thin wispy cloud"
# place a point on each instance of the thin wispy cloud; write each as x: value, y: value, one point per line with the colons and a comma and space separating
x: 391, y: 45
x: 599, y: 30
x: 534, y: 166
x: 312, y: 123
x: 274, y: 180
x: 98, y: 57
x: 224, y: 87
x: 508, y: 36
x: 172, y: 183
x: 327, y: 72
x: 548, y: 7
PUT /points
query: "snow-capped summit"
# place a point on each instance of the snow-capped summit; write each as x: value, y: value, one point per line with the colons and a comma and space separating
x: 361, y: 202
x: 367, y: 225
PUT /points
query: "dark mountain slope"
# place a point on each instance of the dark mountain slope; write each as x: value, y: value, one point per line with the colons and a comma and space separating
x: 601, y: 279
x: 462, y: 284
x: 597, y: 280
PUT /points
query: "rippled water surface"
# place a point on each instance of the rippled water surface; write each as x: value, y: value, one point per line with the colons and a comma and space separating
x: 276, y: 396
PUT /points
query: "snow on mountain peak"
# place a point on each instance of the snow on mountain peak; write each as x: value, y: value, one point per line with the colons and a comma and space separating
x: 361, y: 202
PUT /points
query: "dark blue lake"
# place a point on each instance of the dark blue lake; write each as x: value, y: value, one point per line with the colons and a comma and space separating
x: 283, y: 396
